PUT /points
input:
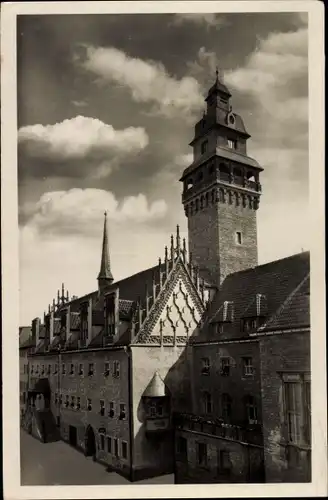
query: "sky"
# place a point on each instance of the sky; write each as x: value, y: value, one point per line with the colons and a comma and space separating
x: 106, y: 109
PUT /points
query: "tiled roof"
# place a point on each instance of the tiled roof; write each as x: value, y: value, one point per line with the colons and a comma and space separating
x: 295, y: 311
x: 275, y: 280
x: 25, y: 336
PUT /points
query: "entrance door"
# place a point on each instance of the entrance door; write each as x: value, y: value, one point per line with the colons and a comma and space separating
x: 90, y: 442
x: 72, y: 435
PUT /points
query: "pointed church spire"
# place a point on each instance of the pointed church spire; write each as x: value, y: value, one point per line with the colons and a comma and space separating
x: 105, y: 276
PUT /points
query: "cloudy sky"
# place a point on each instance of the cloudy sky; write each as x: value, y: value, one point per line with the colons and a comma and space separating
x: 106, y: 107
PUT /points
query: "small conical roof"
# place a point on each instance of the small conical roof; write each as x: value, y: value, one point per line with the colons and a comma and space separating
x: 156, y: 387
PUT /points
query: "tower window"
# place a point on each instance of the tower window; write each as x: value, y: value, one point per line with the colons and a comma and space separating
x: 232, y: 144
x: 238, y: 238
x: 204, y: 147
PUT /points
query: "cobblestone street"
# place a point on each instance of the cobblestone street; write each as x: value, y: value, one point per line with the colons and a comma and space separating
x: 60, y: 464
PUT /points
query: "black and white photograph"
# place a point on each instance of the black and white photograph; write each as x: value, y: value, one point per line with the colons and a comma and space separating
x: 161, y: 172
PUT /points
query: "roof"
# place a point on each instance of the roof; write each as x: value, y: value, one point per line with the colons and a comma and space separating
x: 218, y: 86
x: 25, y: 337
x: 156, y: 387
x: 276, y: 281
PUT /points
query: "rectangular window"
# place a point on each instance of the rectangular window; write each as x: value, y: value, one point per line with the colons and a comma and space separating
x: 152, y: 410
x: 56, y: 398
x: 294, y: 411
x: 72, y: 369
x: 232, y: 144
x: 207, y: 401
x: 60, y: 399
x: 63, y: 369
x: 91, y: 369
x: 37, y: 369
x: 42, y: 370
x: 204, y: 147
x: 205, y: 366
x: 81, y: 369
x: 32, y: 369
x: 111, y: 409
x: 238, y: 238
x: 225, y: 367
x: 106, y: 369
x: 202, y: 454
x: 67, y: 401
x: 102, y: 441
x: 116, y: 447
x: 56, y: 369
x: 116, y: 369
x: 248, y: 367
x: 102, y: 407
x: 122, y: 411
x: 251, y: 410
x: 78, y: 403
x: 124, y: 449
x: 89, y: 404
x: 182, y: 450
x: 224, y: 463
x: 49, y: 369
x: 160, y: 408
x: 109, y: 444
x: 72, y: 401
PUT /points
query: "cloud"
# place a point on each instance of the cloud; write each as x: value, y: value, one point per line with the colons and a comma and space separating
x: 208, y: 19
x: 148, y: 81
x: 80, y: 104
x: 77, y: 146
x: 80, y: 211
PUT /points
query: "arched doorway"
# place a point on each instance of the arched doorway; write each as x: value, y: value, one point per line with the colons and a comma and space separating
x: 90, y: 442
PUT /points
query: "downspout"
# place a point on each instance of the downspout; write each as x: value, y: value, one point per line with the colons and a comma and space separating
x: 131, y: 426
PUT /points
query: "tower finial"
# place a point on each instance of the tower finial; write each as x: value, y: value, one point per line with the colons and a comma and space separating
x: 105, y: 276
x: 217, y: 73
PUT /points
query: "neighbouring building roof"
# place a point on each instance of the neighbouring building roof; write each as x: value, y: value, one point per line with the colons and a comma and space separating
x: 276, y: 281
x: 25, y: 337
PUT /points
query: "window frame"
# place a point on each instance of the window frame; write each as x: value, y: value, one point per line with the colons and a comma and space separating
x: 202, y: 457
x: 248, y: 369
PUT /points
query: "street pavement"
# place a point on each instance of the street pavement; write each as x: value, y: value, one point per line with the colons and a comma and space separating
x: 57, y: 463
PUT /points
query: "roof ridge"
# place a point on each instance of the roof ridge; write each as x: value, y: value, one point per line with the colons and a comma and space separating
x: 285, y: 303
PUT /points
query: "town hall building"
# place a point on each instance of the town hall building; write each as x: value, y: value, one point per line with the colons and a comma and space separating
x: 199, y: 365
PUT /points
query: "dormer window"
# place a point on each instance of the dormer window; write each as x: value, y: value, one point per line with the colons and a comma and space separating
x: 203, y: 147
x: 250, y: 324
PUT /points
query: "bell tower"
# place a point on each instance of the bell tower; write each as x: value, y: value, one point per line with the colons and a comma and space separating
x: 221, y: 191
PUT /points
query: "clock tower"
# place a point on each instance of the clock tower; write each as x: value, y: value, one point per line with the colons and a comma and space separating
x: 221, y: 191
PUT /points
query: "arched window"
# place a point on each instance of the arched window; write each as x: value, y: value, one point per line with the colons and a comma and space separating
x: 226, y: 403
x: 251, y: 409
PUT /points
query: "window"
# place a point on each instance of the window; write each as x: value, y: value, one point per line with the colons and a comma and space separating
x: 91, y: 369
x: 207, y: 402
x: 116, y: 369
x: 72, y: 401
x: 78, y: 403
x: 182, y: 450
x: 200, y: 176
x: 232, y: 144
x: 81, y: 369
x: 248, y: 367
x: 60, y: 399
x: 67, y: 401
x: 297, y: 408
x: 32, y: 369
x: 102, y: 441
x: 190, y: 183
x: 205, y: 366
x: 249, y: 324
x: 49, y: 369
x: 122, y: 411
x: 111, y: 412
x: 89, y: 404
x: 124, y: 449
x: 72, y: 369
x: 225, y: 367
x: 160, y: 408
x: 63, y: 369
x: 102, y: 407
x: 109, y: 444
x: 226, y: 407
x: 152, y: 409
x: 203, y: 147
x: 56, y: 369
x: 37, y: 369
x: 106, y: 369
x: 56, y: 398
x: 202, y: 454
x: 116, y: 447
x: 251, y: 410
x: 238, y: 238
x: 42, y: 370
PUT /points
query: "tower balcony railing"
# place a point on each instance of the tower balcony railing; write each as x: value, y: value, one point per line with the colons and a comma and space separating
x: 220, y: 177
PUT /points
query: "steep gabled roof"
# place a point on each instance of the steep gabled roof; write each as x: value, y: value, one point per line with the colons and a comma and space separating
x: 276, y: 281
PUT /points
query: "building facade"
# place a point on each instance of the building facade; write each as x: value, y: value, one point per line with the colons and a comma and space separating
x: 199, y: 365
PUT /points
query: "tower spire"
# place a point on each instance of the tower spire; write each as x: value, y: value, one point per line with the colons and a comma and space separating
x: 105, y: 276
